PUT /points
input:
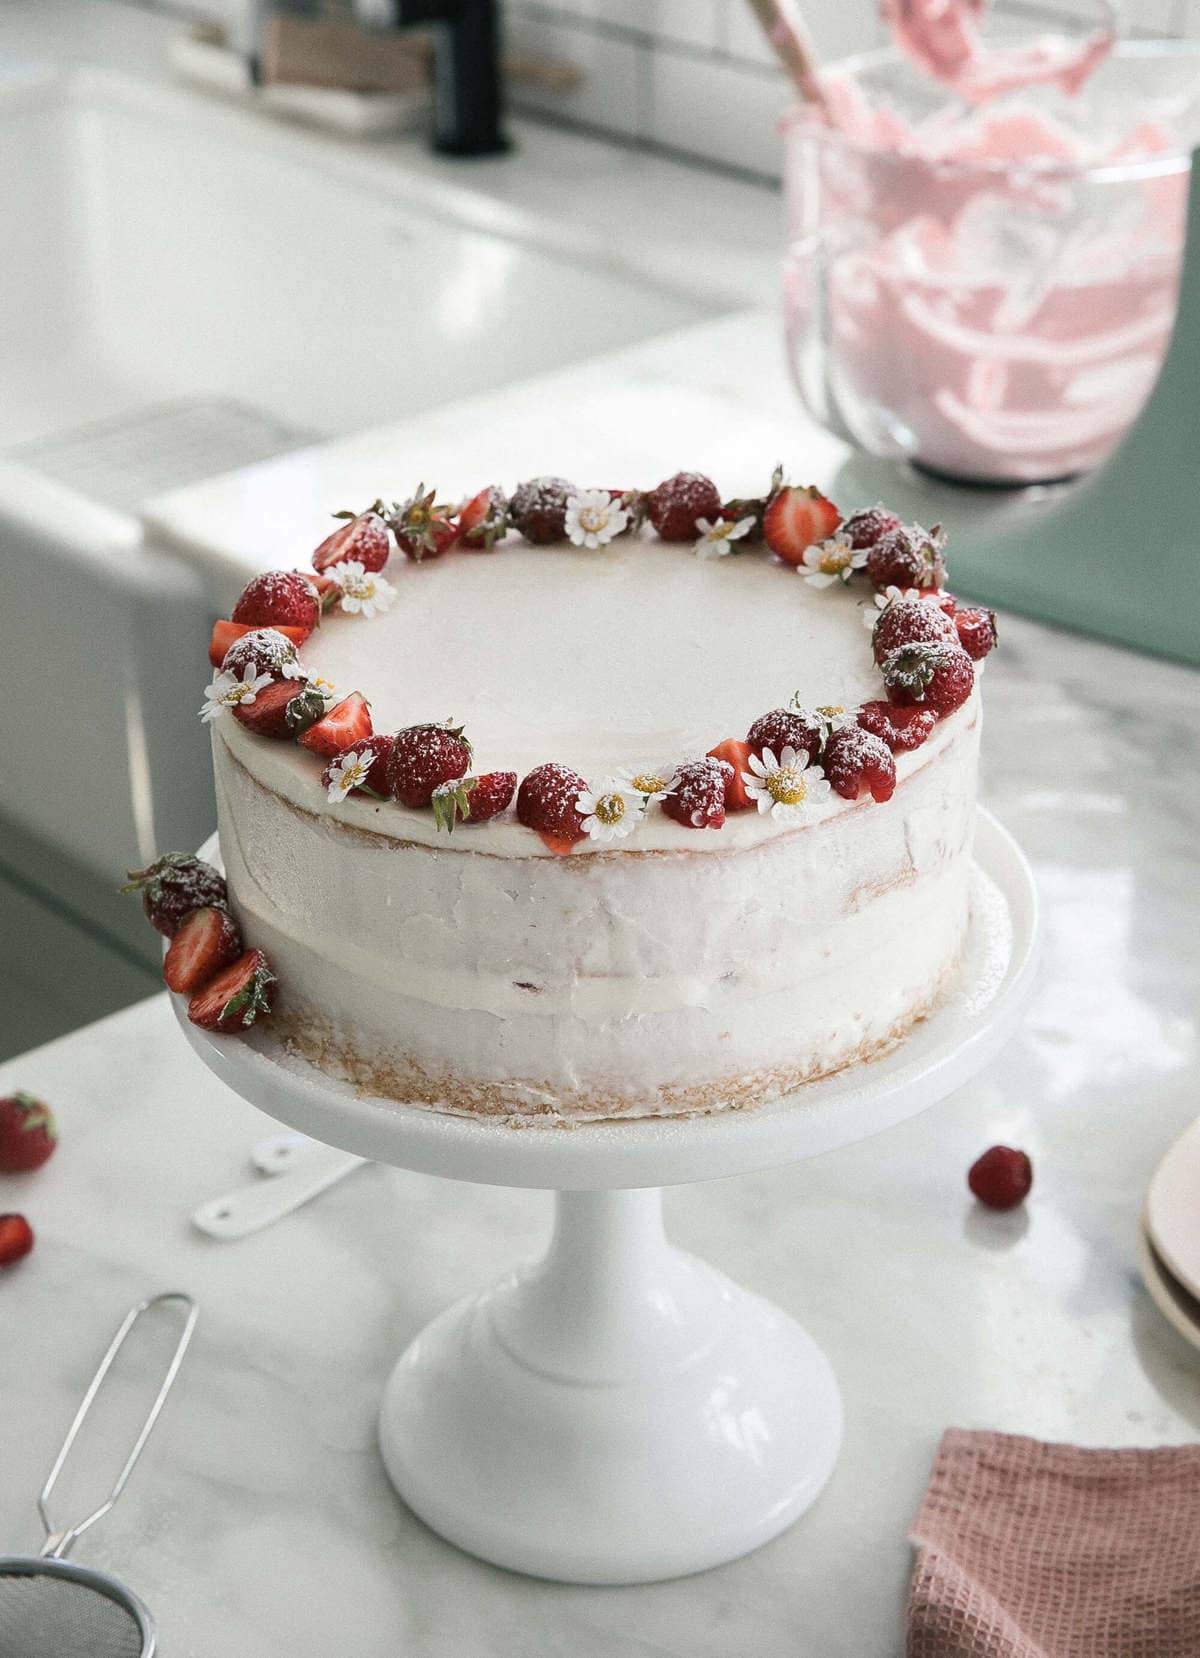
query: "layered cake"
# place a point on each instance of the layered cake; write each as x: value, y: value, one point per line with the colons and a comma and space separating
x: 599, y: 804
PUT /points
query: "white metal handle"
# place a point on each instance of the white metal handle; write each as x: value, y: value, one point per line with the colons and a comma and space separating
x: 278, y: 1152
x: 249, y: 1209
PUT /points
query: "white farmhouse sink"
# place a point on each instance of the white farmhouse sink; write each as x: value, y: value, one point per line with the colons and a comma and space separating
x: 187, y: 288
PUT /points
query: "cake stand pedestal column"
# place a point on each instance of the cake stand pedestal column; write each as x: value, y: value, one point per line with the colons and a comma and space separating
x: 617, y: 1412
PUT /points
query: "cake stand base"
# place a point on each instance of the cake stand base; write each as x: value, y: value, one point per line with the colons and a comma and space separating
x: 617, y: 1413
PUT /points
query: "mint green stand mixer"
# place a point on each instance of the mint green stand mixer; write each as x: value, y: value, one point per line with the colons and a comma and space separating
x: 1116, y: 553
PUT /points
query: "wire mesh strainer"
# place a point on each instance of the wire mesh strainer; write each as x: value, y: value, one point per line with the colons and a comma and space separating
x: 52, y: 1608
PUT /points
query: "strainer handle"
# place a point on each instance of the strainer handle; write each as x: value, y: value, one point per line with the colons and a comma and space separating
x: 58, y: 1543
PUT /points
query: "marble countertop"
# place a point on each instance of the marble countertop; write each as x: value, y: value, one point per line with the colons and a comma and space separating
x: 262, y: 1522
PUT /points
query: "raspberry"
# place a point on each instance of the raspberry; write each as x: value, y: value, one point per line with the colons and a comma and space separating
x: 976, y: 632
x: 422, y: 757
x: 910, y: 622
x: 270, y: 651
x: 546, y: 802
x: 938, y: 676
x: 278, y: 597
x: 698, y: 798
x: 854, y: 759
x: 679, y: 501
x: 175, y: 886
x: 908, y: 556
x: 900, y: 728
x: 786, y: 728
x: 864, y: 528
x: 1001, y: 1178
x: 538, y: 509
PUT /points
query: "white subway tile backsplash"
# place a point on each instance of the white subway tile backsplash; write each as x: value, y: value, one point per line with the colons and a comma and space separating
x: 722, y: 110
x: 612, y: 91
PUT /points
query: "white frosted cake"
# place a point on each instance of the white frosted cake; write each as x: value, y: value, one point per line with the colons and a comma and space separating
x: 684, y: 934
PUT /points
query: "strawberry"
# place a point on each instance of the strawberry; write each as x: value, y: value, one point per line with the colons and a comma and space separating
x: 283, y: 709
x: 422, y: 528
x: 279, y: 597
x: 347, y: 722
x: 363, y: 536
x: 864, y: 527
x: 938, y: 676
x: 484, y: 520
x: 16, y: 1239
x: 328, y: 590
x: 908, y: 556
x: 797, y: 519
x: 270, y: 650
x: 677, y: 503
x: 698, y: 798
x: 422, y: 757
x: 225, y: 634
x: 737, y: 755
x: 237, y: 997
x: 787, y: 728
x: 472, y: 799
x: 1001, y: 1178
x: 174, y: 886
x: 976, y: 632
x: 205, y: 942
x: 28, y: 1134
x: 538, y: 509
x: 855, y: 760
x: 546, y: 802
x: 900, y: 728
x: 910, y: 622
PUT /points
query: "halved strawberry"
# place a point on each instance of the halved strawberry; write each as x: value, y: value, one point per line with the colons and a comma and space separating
x: 484, y: 519
x: 737, y: 754
x: 363, y: 537
x: 224, y: 634
x: 284, y: 708
x: 205, y: 942
x: 347, y: 722
x: 237, y: 997
x: 797, y: 519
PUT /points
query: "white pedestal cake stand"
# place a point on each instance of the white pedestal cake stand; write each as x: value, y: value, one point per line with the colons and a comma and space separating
x: 619, y: 1412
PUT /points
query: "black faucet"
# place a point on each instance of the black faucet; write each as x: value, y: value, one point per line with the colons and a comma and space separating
x: 467, y: 95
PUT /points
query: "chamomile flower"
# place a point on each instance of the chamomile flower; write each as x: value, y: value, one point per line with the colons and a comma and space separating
x: 650, y: 783
x: 788, y: 787
x: 610, y: 809
x: 717, y: 539
x: 593, y: 517
x: 834, y: 559
x: 364, y: 592
x: 348, y: 771
x: 227, y: 690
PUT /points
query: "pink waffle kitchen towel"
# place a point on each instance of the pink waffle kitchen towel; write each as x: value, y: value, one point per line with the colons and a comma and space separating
x: 1027, y: 1550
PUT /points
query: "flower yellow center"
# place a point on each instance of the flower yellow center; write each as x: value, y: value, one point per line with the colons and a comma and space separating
x: 239, y: 692
x: 353, y: 775
x: 787, y: 786
x: 721, y: 531
x: 645, y: 783
x: 834, y: 560
x: 610, y: 808
x: 830, y: 710
x: 593, y: 519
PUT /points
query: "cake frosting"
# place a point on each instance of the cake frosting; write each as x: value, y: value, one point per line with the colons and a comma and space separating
x: 679, y: 970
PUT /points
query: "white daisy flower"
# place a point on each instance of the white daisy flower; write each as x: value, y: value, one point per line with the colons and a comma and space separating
x: 649, y: 783
x: 227, y: 690
x: 594, y: 517
x: 789, y: 787
x: 881, y: 601
x: 364, y: 592
x: 610, y: 809
x: 831, y: 560
x: 715, y: 539
x: 325, y: 686
x: 349, y: 771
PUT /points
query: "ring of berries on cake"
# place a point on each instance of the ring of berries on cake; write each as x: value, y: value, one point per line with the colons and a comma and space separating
x: 795, y: 763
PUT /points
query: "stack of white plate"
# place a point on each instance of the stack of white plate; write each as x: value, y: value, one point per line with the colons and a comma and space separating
x: 1169, y: 1236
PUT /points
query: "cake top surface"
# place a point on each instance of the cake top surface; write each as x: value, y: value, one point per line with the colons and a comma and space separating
x: 632, y: 655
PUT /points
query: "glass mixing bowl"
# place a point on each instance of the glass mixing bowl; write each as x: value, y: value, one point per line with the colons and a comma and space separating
x: 994, y: 314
